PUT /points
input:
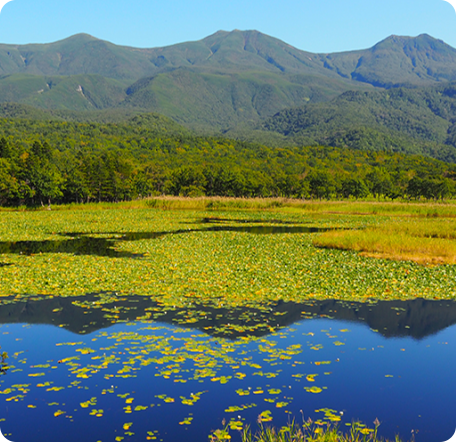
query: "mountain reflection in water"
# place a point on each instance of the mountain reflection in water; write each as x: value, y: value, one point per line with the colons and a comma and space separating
x: 415, y: 318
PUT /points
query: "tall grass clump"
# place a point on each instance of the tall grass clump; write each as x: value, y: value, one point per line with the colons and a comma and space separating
x: 308, y: 432
x: 420, y: 210
x: 215, y: 203
x: 3, y: 365
x: 425, y: 241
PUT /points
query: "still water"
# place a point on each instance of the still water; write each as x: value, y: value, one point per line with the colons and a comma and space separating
x: 104, y: 368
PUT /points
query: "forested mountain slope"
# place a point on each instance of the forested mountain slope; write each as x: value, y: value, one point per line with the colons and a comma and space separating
x: 419, y: 120
x: 397, y: 61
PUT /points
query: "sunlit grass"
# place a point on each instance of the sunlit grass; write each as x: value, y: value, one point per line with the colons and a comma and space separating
x: 427, y: 210
x: 402, y: 209
x: 216, y: 203
x: 425, y: 241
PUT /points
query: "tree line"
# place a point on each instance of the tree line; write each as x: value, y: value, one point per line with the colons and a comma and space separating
x: 60, y: 162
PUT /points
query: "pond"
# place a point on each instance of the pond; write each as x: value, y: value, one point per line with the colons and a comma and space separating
x: 105, y: 367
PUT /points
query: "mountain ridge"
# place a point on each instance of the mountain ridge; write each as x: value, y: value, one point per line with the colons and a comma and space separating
x: 227, y: 80
x: 223, y: 49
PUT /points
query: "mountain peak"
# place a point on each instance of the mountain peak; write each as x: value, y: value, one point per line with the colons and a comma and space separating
x: 422, y: 40
x: 221, y: 34
x: 80, y: 38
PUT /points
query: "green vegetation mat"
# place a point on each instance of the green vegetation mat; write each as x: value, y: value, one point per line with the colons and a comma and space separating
x: 219, y: 258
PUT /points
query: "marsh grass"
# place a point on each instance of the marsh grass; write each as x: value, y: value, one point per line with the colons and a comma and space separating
x: 286, y: 205
x: 424, y: 241
x: 308, y: 432
x: 217, y: 203
x: 3, y: 365
x: 422, y: 210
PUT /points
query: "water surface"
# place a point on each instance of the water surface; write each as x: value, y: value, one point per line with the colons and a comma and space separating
x: 80, y: 365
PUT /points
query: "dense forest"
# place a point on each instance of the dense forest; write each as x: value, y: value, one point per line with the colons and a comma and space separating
x: 44, y: 162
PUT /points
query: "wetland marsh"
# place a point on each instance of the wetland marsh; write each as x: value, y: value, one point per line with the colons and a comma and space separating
x: 149, y: 324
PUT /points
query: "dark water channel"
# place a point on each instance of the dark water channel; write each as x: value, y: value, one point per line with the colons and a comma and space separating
x: 85, y: 244
x: 104, y: 366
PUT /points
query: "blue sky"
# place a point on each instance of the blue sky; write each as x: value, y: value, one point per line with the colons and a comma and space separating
x: 313, y: 25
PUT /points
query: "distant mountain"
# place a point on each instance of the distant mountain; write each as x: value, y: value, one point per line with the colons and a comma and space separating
x: 214, y: 83
x: 227, y: 80
x: 397, y: 61
x: 76, y: 55
x: 235, y: 51
x: 393, y: 61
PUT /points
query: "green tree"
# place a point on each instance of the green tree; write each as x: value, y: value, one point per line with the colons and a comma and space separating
x: 355, y: 187
x: 321, y: 184
x: 42, y: 174
x: 379, y: 182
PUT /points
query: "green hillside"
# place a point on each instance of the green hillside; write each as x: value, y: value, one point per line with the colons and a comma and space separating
x: 219, y: 101
x: 77, y: 92
x: 406, y: 120
x: 26, y: 112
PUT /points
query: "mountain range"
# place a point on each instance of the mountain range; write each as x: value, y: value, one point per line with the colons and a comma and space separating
x: 396, y: 95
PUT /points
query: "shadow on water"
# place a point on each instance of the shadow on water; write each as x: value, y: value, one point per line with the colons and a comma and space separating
x: 80, y: 245
x: 84, y: 244
x: 218, y: 220
x: 416, y: 318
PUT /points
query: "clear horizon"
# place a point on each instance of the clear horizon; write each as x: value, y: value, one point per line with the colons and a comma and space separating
x: 324, y: 26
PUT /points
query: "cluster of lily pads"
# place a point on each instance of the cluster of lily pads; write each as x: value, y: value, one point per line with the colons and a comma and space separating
x: 177, y: 259
x: 97, y: 376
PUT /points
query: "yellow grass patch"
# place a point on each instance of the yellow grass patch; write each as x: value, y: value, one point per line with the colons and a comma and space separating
x: 428, y: 242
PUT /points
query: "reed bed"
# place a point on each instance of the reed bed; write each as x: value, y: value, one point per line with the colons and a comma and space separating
x: 402, y: 209
x: 424, y: 241
x: 422, y: 210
